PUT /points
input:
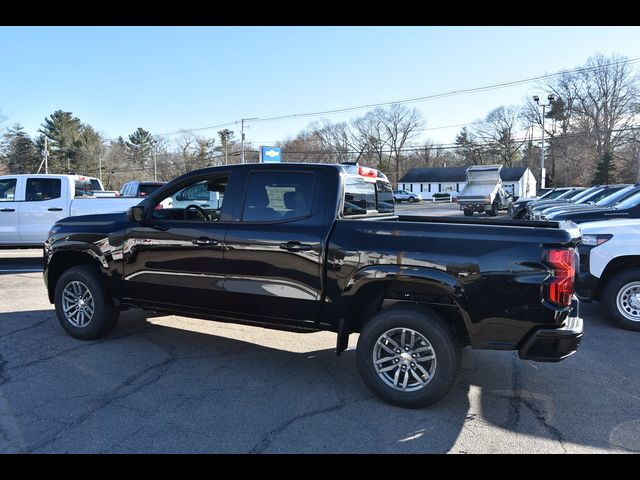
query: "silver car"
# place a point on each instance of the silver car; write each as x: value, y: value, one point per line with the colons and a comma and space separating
x: 404, y: 196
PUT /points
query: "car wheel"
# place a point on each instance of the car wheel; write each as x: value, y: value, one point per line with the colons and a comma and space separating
x: 412, y: 199
x: 408, y: 356
x: 621, y: 298
x: 468, y: 213
x: 493, y: 211
x: 83, y: 304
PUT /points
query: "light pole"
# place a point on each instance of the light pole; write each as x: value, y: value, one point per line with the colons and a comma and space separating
x: 536, y: 99
x: 242, y: 135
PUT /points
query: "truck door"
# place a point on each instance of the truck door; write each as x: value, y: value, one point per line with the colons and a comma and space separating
x: 176, y: 259
x: 274, y: 251
x: 9, y: 207
x: 46, y: 201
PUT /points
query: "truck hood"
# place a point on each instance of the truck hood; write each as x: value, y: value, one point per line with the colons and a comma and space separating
x: 95, y: 219
x: 582, y: 212
x: 605, y: 226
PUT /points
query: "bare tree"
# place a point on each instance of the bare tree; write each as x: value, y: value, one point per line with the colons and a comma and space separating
x: 401, y: 125
x: 499, y: 131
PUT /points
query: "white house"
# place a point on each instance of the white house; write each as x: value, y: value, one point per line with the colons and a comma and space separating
x: 517, y: 180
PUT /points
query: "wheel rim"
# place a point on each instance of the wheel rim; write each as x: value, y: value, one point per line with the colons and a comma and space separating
x: 404, y: 359
x: 77, y: 304
x: 628, y: 301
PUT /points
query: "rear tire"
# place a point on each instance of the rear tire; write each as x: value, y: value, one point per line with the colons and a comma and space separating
x: 621, y: 298
x: 83, y: 303
x: 427, y: 363
x: 412, y: 199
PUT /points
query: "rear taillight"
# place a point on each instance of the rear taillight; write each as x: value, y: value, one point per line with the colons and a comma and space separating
x: 563, y: 265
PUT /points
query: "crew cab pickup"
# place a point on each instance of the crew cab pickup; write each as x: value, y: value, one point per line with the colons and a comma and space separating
x: 610, y: 269
x: 310, y: 247
x: 31, y: 204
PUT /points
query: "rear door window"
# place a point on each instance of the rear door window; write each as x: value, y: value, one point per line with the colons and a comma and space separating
x: 275, y: 196
x: 40, y: 189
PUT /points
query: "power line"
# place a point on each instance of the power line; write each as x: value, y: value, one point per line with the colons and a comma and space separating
x: 464, y: 91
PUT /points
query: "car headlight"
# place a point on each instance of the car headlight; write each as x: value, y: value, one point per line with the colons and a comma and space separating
x: 595, y: 240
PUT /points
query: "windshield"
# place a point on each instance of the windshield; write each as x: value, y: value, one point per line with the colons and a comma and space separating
x: 619, y: 195
x: 553, y: 194
x: 581, y: 194
x: 599, y: 195
x: 632, y: 201
x: 589, y: 195
x: 572, y: 194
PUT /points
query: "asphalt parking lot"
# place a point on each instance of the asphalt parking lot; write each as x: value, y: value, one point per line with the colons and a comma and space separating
x: 173, y: 384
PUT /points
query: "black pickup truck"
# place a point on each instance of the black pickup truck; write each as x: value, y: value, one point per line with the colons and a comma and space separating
x: 310, y: 247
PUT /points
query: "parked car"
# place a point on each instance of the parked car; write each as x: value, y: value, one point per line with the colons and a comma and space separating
x: 139, y: 189
x: 610, y: 269
x: 627, y: 208
x: 517, y: 209
x: 31, y: 204
x: 564, y: 198
x: 405, y: 196
x: 483, y: 191
x: 311, y: 247
x: 597, y: 195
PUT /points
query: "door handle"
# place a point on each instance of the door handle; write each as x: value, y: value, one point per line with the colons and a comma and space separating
x: 54, y: 209
x: 8, y: 210
x: 204, y: 241
x: 295, y: 246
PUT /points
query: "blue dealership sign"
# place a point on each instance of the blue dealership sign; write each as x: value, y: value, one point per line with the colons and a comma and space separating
x: 270, y: 154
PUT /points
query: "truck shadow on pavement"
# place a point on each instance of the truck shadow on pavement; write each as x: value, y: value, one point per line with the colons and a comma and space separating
x: 158, y: 386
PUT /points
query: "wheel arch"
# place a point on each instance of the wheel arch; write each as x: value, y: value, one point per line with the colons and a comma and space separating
x: 378, y: 288
x: 62, y: 261
x: 616, y: 265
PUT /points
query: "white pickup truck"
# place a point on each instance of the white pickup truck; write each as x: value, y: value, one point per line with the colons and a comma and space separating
x: 31, y: 204
x: 610, y: 268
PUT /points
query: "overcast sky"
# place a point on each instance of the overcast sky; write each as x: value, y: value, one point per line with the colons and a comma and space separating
x: 165, y: 79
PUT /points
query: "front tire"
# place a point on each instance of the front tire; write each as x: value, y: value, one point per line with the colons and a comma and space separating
x: 84, y: 306
x: 408, y: 356
x: 494, y: 210
x: 621, y: 298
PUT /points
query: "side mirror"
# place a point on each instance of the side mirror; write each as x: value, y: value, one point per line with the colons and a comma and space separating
x: 136, y: 213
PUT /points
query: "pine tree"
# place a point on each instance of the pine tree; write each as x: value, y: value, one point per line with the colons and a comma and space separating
x: 19, y: 151
x: 605, y: 170
x: 63, y: 131
x: 140, y: 147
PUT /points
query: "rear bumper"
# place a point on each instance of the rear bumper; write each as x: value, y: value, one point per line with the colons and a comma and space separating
x: 554, y: 344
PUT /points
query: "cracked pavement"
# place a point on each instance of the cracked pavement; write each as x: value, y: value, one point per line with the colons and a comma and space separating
x: 165, y: 384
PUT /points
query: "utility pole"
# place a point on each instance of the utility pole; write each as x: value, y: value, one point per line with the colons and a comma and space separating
x: 536, y: 99
x: 155, y: 162
x: 226, y: 150
x: 46, y: 156
x: 242, y: 136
